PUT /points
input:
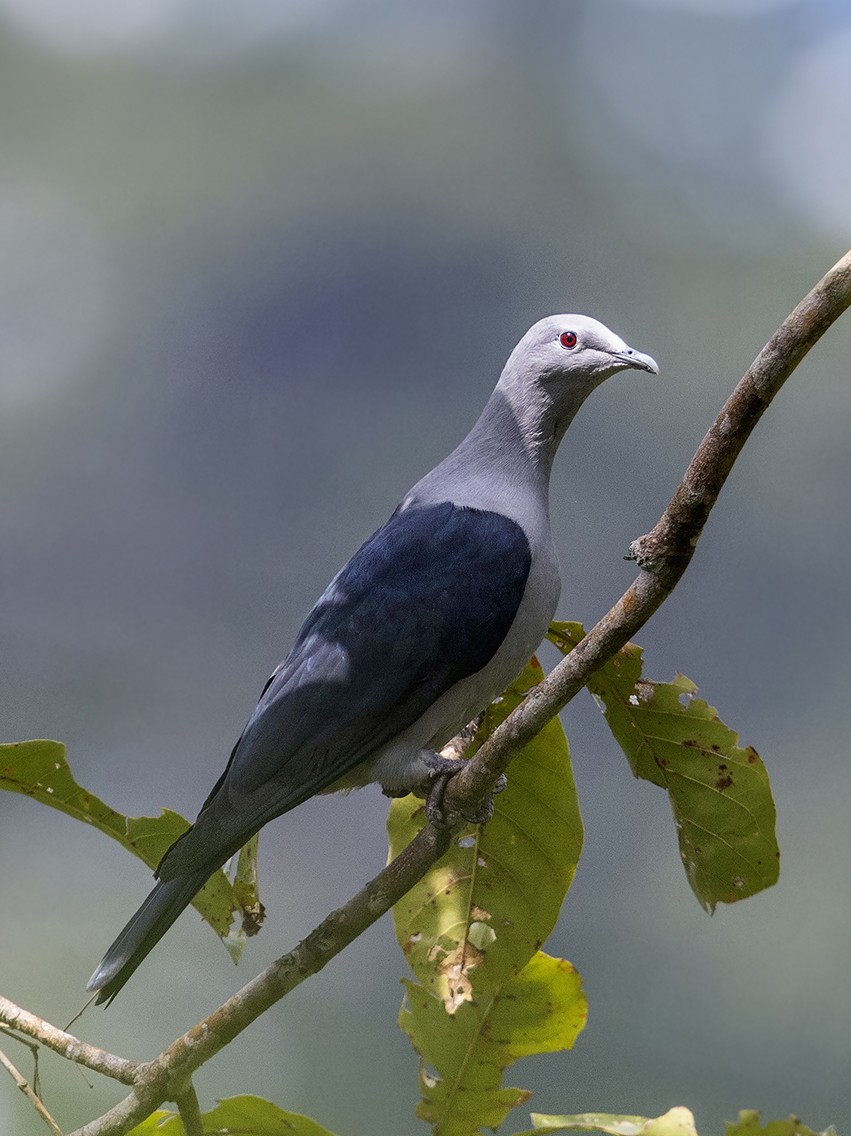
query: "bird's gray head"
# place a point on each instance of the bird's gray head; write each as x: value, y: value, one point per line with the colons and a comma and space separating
x: 550, y: 372
x: 576, y: 347
x: 557, y: 364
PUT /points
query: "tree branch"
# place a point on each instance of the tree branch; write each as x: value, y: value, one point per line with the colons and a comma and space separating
x: 30, y: 1093
x: 155, y: 1082
x: 119, y: 1068
x: 663, y: 555
x: 190, y: 1111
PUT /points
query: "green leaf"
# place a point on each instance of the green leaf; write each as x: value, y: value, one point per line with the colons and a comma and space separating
x: 160, y: 1123
x: 750, y: 1124
x: 676, y: 1122
x: 464, y: 1053
x: 472, y: 928
x: 40, y: 770
x: 493, y: 899
x: 237, y: 1116
x: 719, y: 792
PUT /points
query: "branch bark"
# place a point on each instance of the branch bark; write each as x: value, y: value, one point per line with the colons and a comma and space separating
x: 663, y: 556
x: 190, y: 1111
x: 65, y: 1044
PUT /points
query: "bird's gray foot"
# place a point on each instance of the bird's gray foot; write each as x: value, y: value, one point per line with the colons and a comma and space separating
x: 442, y: 770
x: 434, y: 809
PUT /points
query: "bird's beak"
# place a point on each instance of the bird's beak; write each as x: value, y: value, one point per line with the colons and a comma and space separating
x: 637, y: 361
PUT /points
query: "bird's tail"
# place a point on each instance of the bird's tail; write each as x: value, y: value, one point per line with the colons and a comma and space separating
x: 144, y: 931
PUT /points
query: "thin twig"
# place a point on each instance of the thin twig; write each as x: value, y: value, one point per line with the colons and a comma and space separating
x: 33, y: 1048
x: 24, y: 1085
x: 663, y: 556
x: 119, y: 1068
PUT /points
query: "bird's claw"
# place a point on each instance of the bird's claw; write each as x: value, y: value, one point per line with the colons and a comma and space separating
x: 434, y: 809
x: 442, y: 770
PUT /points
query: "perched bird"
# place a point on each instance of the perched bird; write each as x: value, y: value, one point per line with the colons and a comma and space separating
x: 428, y: 622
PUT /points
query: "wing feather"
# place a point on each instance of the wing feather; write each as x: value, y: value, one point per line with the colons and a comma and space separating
x: 424, y: 603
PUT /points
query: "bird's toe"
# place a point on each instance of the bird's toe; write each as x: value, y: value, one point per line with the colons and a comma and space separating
x: 442, y: 770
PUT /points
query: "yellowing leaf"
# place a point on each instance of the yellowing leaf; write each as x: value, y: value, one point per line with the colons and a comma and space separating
x: 675, y: 1122
x: 472, y: 928
x: 719, y: 792
x: 464, y: 1053
x: 493, y: 899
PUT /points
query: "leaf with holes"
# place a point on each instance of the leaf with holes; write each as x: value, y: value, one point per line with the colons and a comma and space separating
x: 719, y: 792
x: 472, y: 928
x: 493, y: 899
x: 39, y: 769
x: 464, y: 1054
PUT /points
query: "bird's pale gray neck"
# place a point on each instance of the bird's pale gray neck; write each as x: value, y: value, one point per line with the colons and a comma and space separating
x: 522, y: 423
x: 505, y: 461
x: 507, y: 456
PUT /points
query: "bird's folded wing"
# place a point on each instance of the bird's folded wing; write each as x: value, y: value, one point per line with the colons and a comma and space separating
x: 424, y: 603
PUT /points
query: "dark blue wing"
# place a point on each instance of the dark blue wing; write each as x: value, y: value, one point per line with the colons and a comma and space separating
x: 424, y: 603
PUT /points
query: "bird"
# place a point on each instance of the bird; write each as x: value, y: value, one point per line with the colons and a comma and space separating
x: 429, y: 621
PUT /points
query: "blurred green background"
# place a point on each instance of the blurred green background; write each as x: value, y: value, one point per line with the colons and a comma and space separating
x: 260, y: 266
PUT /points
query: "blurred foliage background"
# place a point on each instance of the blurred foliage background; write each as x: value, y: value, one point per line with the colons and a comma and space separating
x: 260, y: 266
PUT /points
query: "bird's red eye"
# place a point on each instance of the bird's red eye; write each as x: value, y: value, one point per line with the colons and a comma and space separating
x: 568, y: 339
